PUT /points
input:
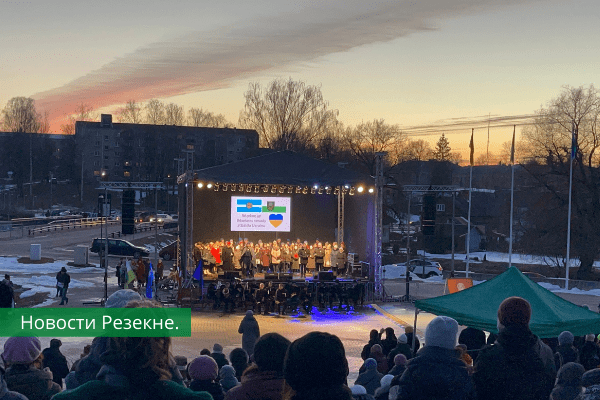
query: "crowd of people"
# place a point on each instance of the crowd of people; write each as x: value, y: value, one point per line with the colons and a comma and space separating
x: 512, y: 365
x: 276, y: 256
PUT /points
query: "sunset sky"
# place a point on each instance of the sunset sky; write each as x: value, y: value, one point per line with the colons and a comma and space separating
x: 410, y: 62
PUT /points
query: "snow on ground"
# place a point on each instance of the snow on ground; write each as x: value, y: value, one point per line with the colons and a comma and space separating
x: 45, y: 284
x: 494, y: 256
x: 11, y: 265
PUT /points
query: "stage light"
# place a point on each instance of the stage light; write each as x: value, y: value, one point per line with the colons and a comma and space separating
x: 351, y: 192
x: 313, y: 190
x: 200, y: 185
x: 298, y: 189
x: 346, y: 186
x: 186, y: 185
x: 256, y: 188
x: 336, y: 191
x: 315, y: 186
x: 273, y: 189
x: 305, y: 190
x: 249, y: 189
x: 281, y: 189
x: 328, y: 189
x: 209, y: 186
x: 371, y: 190
x: 290, y: 189
x: 360, y: 189
x: 320, y: 190
x: 216, y: 187
x: 225, y: 187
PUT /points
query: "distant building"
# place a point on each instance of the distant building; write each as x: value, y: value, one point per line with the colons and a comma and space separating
x: 144, y: 152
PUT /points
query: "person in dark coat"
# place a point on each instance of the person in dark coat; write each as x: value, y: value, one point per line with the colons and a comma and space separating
x: 227, y: 378
x: 56, y: 361
x: 218, y: 356
x: 250, y: 332
x: 203, y: 372
x: 377, y: 354
x: 568, y: 382
x: 591, y: 383
x: 399, y: 365
x: 409, y: 332
x: 589, y: 356
x: 227, y: 257
x: 25, y: 374
x: 565, y: 352
x: 518, y: 366
x: 401, y: 348
x: 370, y: 379
x: 436, y: 372
x: 6, y: 394
x: 373, y: 339
x: 474, y: 339
x: 239, y: 361
x: 62, y: 280
x: 316, y: 368
x: 360, y: 393
x: 389, y: 342
x: 263, y: 380
x: 7, y: 292
x: 383, y: 391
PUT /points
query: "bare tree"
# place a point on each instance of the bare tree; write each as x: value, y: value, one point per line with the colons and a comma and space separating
x: 200, y: 117
x: 549, y: 142
x: 418, y: 150
x: 174, y: 115
x: 20, y: 115
x: 522, y: 152
x: 369, y: 138
x: 288, y: 115
x: 155, y: 112
x: 131, y: 113
x: 44, y: 122
x: 83, y: 112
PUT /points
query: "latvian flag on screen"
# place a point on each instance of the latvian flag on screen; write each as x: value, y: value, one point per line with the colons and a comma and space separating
x: 249, y: 205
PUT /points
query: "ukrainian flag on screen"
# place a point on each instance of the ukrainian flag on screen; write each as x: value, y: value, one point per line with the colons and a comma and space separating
x: 249, y: 205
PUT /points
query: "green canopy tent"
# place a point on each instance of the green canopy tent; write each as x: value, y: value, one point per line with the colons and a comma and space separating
x: 477, y: 306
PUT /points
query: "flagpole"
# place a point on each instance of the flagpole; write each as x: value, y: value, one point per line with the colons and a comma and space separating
x: 573, y: 152
x: 469, y: 212
x: 512, y: 196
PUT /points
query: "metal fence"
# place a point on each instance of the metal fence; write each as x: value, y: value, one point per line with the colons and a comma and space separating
x: 9, y: 231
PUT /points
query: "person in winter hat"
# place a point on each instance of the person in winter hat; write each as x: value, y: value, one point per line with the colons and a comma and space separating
x: 263, y: 380
x: 565, y: 352
x: 401, y: 348
x: 25, y: 374
x: 316, y: 368
x: 377, y: 354
x: 437, y: 362
x: 373, y: 339
x: 227, y: 378
x: 360, y: 393
x: 239, y: 361
x: 409, y: 332
x: 134, y: 368
x: 591, y: 383
x: 473, y: 338
x: 6, y: 394
x: 250, y: 332
x: 383, y: 391
x: 371, y: 377
x: 399, y: 365
x: 217, y: 354
x: 56, y: 361
x: 568, y: 382
x: 203, y: 372
x: 518, y: 365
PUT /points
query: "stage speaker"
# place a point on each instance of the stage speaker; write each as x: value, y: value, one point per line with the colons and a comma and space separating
x: 271, y: 277
x: 128, y: 212
x: 429, y: 210
x: 325, y: 276
x: 285, y: 276
x: 230, y: 275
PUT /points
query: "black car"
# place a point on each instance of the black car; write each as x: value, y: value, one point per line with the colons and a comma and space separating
x: 118, y: 247
x: 168, y: 252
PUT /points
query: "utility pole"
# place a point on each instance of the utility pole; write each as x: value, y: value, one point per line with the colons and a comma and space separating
x: 31, y: 169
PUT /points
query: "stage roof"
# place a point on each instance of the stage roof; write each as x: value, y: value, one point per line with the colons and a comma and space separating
x: 284, y: 168
x: 477, y: 306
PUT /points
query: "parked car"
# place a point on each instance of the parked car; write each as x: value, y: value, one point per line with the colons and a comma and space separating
x: 162, y: 218
x: 417, y: 267
x: 169, y: 251
x: 118, y: 247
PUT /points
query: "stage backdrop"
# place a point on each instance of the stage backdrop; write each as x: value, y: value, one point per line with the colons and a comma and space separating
x: 311, y: 217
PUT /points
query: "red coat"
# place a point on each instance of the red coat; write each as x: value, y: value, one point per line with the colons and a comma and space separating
x: 216, y: 253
